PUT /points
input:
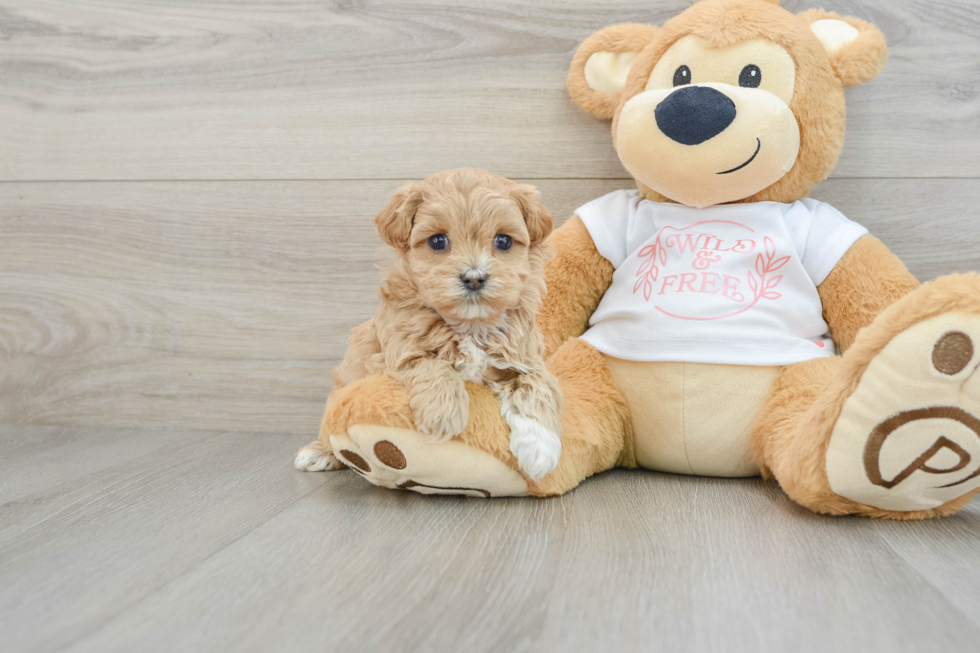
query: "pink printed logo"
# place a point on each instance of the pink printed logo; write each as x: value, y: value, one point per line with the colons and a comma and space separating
x: 708, y: 249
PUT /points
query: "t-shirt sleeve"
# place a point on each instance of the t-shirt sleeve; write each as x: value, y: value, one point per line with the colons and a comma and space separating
x: 830, y: 236
x: 607, y: 220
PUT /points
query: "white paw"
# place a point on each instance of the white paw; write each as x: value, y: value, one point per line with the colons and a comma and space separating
x: 537, y: 449
x: 312, y: 458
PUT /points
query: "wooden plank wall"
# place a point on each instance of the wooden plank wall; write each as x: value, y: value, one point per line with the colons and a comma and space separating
x: 187, y: 188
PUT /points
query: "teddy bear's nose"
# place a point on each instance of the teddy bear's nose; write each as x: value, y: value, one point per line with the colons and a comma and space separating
x: 693, y: 114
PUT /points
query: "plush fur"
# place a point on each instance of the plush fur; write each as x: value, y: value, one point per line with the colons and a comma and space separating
x: 865, y: 282
x: 595, y: 424
x: 870, y: 301
x: 793, y: 430
x: 860, y: 61
x: 579, y: 276
x: 628, y: 37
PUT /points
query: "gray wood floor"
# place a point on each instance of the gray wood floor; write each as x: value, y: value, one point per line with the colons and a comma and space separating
x: 186, y: 194
x: 124, y: 540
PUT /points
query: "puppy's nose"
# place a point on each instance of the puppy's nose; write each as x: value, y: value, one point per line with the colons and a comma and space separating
x: 693, y: 114
x: 474, y: 280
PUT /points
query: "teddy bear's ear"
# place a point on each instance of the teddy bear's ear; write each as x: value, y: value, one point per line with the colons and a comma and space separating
x: 600, y: 66
x: 395, y: 221
x: 856, y: 49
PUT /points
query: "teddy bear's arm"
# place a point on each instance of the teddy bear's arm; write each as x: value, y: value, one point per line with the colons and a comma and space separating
x: 866, y: 281
x: 577, y: 277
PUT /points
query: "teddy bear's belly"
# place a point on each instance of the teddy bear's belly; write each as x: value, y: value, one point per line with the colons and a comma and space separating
x: 693, y: 418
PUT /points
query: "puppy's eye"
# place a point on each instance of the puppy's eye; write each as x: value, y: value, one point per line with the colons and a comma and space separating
x: 682, y: 76
x: 439, y: 242
x: 503, y: 242
x: 750, y: 77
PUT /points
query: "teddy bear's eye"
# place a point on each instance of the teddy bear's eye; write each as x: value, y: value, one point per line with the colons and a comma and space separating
x: 750, y: 77
x: 682, y: 76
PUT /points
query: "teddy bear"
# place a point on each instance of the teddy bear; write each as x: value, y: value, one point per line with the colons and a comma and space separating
x: 715, y: 320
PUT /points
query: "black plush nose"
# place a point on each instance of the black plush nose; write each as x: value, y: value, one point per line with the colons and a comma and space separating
x: 693, y: 114
x: 474, y: 281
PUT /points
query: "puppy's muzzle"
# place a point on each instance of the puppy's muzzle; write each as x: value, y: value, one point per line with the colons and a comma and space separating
x: 474, y: 279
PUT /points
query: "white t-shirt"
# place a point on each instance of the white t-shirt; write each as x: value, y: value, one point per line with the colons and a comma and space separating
x: 734, y: 284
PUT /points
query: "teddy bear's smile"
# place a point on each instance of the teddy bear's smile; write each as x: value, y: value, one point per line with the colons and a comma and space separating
x: 758, y: 147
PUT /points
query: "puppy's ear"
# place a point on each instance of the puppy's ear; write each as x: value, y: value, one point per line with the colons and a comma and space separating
x: 598, y: 74
x: 857, y: 49
x: 537, y: 217
x: 394, y: 223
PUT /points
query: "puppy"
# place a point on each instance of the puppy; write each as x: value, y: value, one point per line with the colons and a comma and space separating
x: 459, y: 305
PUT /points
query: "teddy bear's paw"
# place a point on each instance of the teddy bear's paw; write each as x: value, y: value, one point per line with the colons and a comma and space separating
x: 908, y: 438
x: 405, y: 460
x: 315, y: 457
x: 537, y: 449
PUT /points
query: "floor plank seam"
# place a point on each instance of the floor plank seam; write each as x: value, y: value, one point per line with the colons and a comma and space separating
x: 973, y: 619
x: 166, y: 429
x: 109, y: 618
x: 81, y: 502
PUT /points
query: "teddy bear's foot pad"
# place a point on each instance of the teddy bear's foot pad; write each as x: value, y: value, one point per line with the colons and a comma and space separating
x: 403, y: 459
x: 908, y: 438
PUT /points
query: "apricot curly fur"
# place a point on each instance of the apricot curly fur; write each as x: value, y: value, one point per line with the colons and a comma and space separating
x: 430, y: 334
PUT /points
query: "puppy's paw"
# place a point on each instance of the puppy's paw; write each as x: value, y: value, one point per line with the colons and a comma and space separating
x: 442, y: 416
x: 316, y: 457
x: 439, y: 425
x: 537, y: 449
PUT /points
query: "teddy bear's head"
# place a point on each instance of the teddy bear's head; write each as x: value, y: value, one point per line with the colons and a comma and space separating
x: 732, y: 100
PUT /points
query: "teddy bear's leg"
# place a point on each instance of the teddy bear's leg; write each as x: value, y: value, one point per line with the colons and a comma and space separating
x: 369, y: 425
x: 892, y: 428
x: 596, y: 428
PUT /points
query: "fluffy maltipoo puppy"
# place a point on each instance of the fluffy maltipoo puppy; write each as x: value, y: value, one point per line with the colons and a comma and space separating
x: 459, y: 305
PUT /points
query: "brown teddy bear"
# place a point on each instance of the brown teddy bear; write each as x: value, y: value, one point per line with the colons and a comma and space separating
x: 716, y: 321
